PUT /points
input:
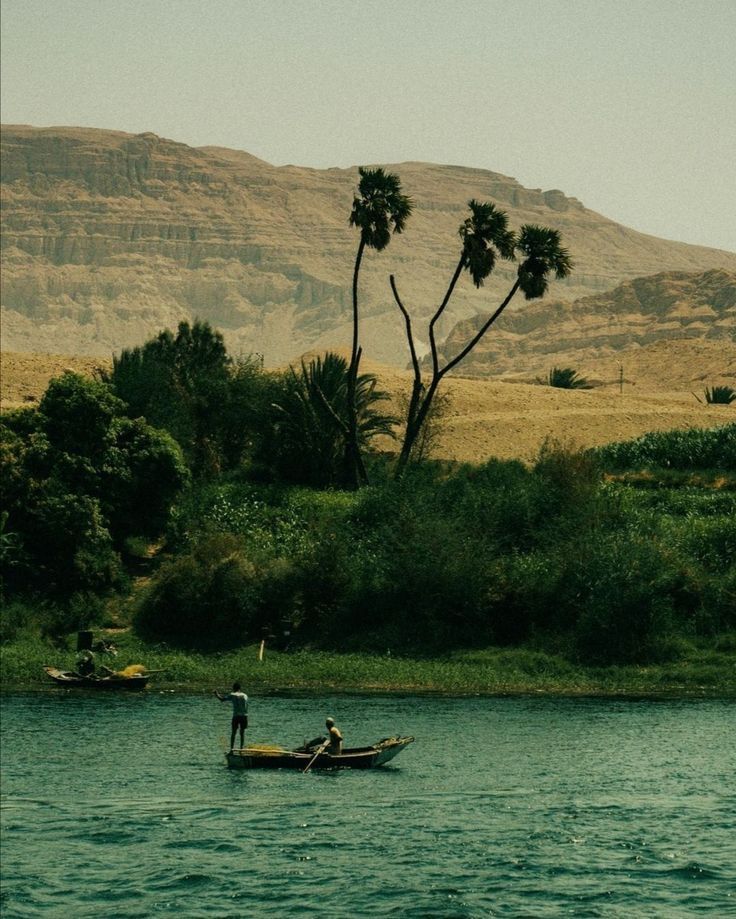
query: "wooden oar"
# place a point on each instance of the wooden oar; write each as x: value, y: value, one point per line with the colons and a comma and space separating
x: 321, y: 750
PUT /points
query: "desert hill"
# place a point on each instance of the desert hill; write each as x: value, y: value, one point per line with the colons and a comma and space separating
x: 108, y: 237
x: 483, y: 418
x: 670, y: 330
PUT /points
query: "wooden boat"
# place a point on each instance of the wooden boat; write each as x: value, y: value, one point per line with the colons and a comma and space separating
x: 261, y: 756
x: 71, y: 680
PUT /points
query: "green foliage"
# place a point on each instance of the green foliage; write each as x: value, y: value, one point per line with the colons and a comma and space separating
x: 380, y: 207
x: 78, y: 414
x: 485, y: 234
x: 567, y: 378
x: 187, y: 384
x: 216, y: 596
x: 498, y: 552
x: 49, y: 620
x: 628, y: 591
x: 720, y: 395
x: 80, y: 478
x: 709, y: 448
x: 311, y: 424
x: 143, y: 474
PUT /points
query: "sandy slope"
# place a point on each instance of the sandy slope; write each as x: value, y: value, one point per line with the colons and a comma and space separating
x: 484, y: 418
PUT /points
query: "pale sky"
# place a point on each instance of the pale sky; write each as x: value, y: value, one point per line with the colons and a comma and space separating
x: 629, y: 105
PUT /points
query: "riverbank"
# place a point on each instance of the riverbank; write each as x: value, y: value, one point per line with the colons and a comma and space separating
x: 696, y: 669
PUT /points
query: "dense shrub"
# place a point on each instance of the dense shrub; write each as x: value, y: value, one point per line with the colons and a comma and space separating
x: 53, y: 621
x: 79, y: 478
x: 215, y: 407
x: 526, y: 594
x: 498, y: 552
x: 712, y: 448
x: 626, y: 610
x: 217, y: 597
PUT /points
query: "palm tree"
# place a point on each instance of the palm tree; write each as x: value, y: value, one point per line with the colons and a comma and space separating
x: 379, y: 209
x: 720, y: 395
x: 567, y: 378
x: 312, y: 420
x: 485, y: 235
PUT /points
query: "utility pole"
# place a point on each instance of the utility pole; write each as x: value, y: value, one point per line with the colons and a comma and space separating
x: 621, y: 378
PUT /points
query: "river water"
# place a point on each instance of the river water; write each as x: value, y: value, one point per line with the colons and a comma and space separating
x: 121, y: 806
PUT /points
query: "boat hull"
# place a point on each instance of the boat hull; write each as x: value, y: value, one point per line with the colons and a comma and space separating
x: 74, y: 681
x: 357, y: 758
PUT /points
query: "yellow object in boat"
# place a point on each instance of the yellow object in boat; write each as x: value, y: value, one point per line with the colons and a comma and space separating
x: 131, y: 670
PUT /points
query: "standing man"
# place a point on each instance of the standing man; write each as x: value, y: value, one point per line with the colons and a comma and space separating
x: 240, y: 713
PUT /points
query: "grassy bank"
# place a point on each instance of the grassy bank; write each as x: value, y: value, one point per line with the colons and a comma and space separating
x: 698, y: 668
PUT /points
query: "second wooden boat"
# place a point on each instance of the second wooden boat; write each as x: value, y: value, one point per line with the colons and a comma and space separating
x: 73, y: 680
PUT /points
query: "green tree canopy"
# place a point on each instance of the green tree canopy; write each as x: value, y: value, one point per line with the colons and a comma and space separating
x: 181, y: 382
x: 79, y: 478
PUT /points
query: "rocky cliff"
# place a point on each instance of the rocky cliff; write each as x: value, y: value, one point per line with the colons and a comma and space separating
x: 689, y: 315
x: 108, y: 237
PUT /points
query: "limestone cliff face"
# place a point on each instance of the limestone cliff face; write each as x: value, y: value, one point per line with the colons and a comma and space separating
x: 675, y: 306
x: 109, y: 237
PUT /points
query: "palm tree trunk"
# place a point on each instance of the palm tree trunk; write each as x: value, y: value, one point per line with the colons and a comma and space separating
x: 355, y: 469
x: 440, y: 311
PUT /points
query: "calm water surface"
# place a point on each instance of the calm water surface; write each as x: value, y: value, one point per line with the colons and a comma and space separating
x: 121, y: 806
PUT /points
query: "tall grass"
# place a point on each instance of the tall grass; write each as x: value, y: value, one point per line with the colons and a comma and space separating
x: 698, y: 669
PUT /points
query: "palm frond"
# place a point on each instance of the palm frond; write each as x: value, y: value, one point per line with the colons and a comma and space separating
x: 380, y: 208
x: 544, y: 256
x: 312, y: 417
x: 485, y: 235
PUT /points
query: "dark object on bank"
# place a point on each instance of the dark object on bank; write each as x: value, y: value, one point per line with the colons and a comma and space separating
x: 263, y: 756
x: 84, y: 640
x: 71, y: 679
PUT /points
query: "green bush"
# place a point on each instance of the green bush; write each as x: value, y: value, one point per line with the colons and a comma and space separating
x: 626, y: 609
x: 720, y: 395
x: 52, y: 621
x: 217, y: 597
x: 711, y: 448
x: 80, y: 478
x: 525, y: 594
x: 567, y: 378
x: 498, y: 552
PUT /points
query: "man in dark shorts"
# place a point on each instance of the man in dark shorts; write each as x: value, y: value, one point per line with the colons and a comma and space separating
x: 240, y: 713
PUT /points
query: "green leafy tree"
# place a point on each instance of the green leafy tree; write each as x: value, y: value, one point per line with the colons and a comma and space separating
x: 80, y: 477
x: 380, y: 209
x: 484, y: 238
x: 312, y: 421
x: 182, y: 383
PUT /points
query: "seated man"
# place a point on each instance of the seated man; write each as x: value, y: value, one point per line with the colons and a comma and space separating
x: 86, y: 663
x: 335, y: 741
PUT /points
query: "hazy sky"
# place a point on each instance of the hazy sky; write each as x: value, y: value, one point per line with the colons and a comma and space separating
x: 629, y: 105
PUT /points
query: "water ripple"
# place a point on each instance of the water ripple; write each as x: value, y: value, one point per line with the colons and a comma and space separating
x: 534, y: 808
